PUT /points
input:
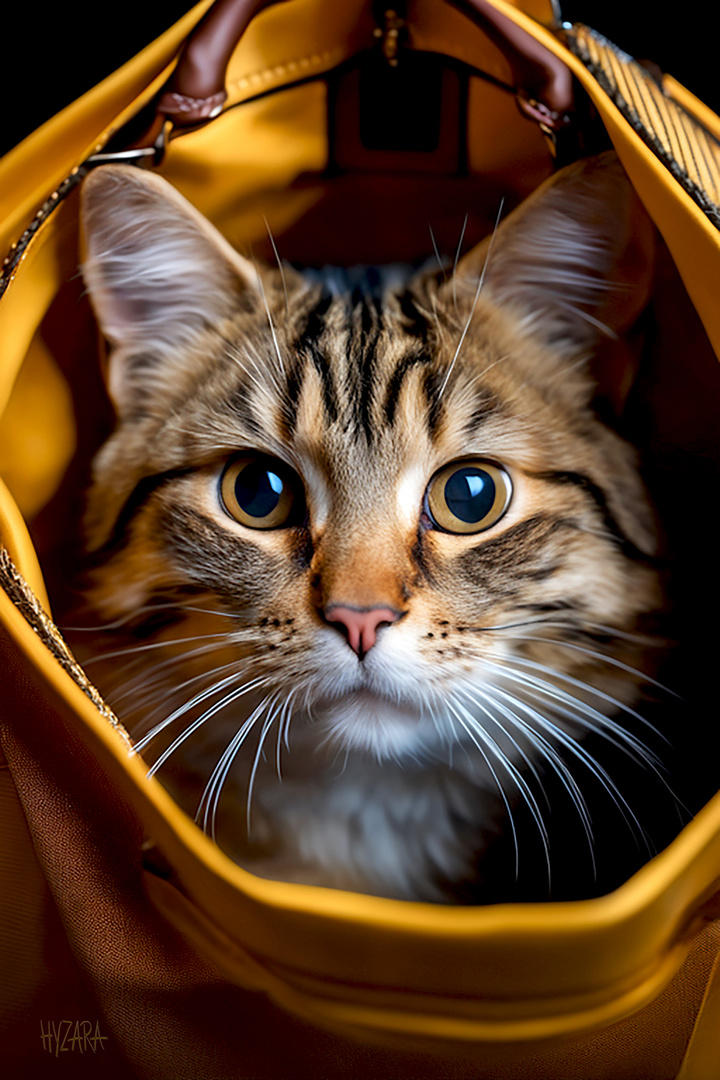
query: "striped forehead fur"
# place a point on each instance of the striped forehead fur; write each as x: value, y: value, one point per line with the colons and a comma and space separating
x: 350, y: 370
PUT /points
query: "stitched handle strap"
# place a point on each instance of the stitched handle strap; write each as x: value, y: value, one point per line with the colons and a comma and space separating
x: 543, y: 83
x: 196, y: 90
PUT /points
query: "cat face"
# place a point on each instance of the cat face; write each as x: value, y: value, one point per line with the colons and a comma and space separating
x: 385, y: 513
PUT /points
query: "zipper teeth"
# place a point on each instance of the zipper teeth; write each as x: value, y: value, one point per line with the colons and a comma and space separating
x: 18, y: 248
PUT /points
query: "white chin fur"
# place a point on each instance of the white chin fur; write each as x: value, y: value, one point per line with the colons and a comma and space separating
x: 370, y: 724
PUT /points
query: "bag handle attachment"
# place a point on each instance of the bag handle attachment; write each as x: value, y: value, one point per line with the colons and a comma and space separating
x: 545, y: 88
x: 196, y: 89
x: 543, y: 83
x: 195, y: 92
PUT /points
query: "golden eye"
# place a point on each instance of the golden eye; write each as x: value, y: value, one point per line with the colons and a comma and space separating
x: 261, y: 492
x: 468, y: 496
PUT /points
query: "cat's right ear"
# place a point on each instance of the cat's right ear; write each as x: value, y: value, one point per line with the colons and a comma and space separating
x: 158, y: 274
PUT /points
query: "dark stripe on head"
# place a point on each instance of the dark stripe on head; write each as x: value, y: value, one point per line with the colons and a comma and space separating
x: 370, y: 330
x: 550, y: 607
x: 487, y: 404
x: 515, y: 552
x: 135, y: 500
x: 239, y: 402
x: 597, y: 495
x: 293, y: 389
x: 396, y: 380
x: 432, y: 387
x: 415, y: 322
x: 308, y: 345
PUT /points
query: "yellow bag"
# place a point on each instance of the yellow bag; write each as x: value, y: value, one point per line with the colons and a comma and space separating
x: 129, y: 942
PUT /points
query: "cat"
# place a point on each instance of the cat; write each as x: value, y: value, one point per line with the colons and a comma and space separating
x: 378, y: 587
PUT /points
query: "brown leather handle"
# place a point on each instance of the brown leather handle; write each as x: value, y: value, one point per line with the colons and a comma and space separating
x: 196, y: 89
x: 543, y: 83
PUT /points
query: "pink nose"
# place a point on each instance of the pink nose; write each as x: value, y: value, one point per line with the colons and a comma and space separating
x: 361, y: 624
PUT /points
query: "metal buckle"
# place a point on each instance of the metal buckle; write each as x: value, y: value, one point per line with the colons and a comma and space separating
x: 145, y: 157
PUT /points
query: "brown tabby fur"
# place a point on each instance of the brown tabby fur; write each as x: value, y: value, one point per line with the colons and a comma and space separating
x: 420, y: 770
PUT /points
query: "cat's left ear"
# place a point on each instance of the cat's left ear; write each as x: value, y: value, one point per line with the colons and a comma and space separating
x: 158, y: 274
x: 574, y: 263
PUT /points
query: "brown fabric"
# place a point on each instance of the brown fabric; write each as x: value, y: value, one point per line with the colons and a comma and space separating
x: 103, y: 954
x: 40, y: 978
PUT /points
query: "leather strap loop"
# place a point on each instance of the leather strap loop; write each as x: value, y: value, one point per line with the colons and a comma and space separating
x: 543, y: 83
x: 183, y: 109
x: 196, y: 89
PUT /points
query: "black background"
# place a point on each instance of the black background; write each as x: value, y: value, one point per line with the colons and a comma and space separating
x: 53, y: 54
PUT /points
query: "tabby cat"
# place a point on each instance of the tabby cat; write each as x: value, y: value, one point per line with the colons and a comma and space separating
x: 376, y: 583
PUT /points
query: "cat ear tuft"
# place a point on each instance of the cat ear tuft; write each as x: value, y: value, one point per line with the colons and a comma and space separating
x: 158, y: 274
x: 575, y: 261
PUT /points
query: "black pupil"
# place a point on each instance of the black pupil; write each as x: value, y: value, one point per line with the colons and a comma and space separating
x: 258, y: 489
x: 470, y: 494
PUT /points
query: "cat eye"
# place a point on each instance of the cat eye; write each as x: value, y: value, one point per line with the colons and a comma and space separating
x: 468, y: 496
x: 261, y: 492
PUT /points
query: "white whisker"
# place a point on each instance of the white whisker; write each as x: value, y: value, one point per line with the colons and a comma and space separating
x: 270, y: 719
x: 578, y: 751
x: 279, y: 263
x: 203, y: 695
x: 580, y: 685
x: 440, y: 262
x: 281, y: 363
x: 581, y: 713
x: 611, y: 660
x: 132, y: 649
x: 283, y: 732
x: 455, y: 263
x: 500, y: 788
x: 143, y: 682
x: 216, y: 708
x: 516, y: 775
x: 481, y: 279
x: 211, y: 795
x: 545, y: 750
